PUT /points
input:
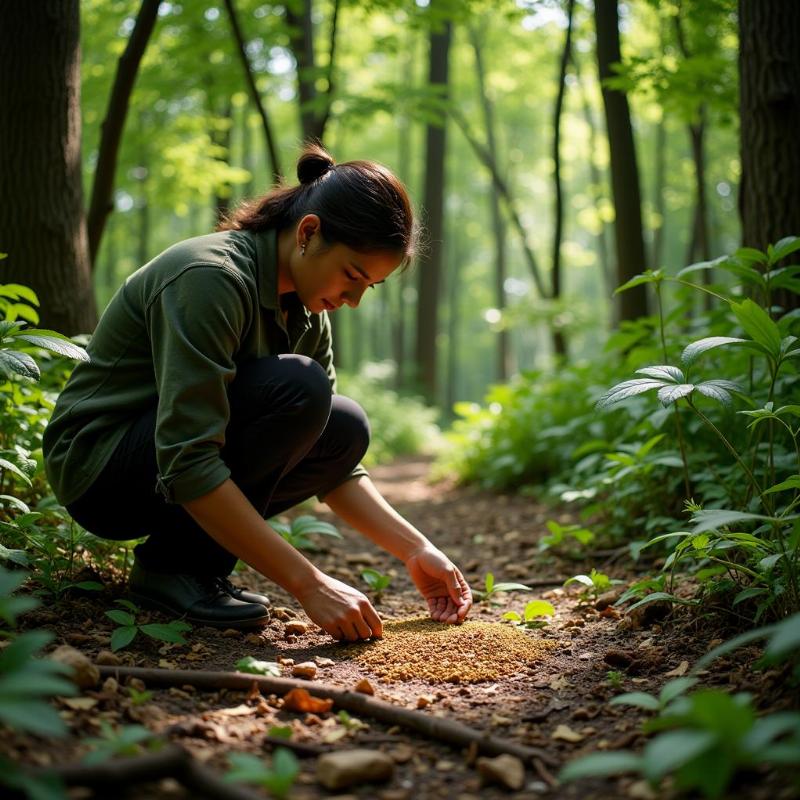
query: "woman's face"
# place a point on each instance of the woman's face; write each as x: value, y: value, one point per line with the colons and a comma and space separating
x: 327, y: 277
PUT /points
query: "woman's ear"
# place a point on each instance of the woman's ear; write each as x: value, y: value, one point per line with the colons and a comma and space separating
x: 306, y: 228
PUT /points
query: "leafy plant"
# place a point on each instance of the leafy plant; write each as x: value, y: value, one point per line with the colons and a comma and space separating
x: 669, y: 691
x: 595, y: 584
x: 252, y: 665
x: 127, y: 740
x: 298, y: 531
x: 492, y: 588
x: 531, y: 615
x: 614, y: 678
x: 278, y: 778
x: 376, y: 580
x: 561, y: 535
x: 129, y: 628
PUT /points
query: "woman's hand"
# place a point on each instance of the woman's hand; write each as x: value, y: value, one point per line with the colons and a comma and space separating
x: 441, y: 583
x: 340, y: 610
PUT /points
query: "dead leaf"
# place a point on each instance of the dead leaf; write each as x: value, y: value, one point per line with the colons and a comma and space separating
x: 565, y: 734
x: 559, y: 683
x: 680, y: 670
x: 165, y: 664
x: 364, y: 686
x: 237, y: 711
x: 301, y: 700
x: 498, y: 720
x: 80, y: 703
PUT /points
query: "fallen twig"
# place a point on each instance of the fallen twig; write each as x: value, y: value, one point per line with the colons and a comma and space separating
x: 172, y: 761
x: 444, y: 730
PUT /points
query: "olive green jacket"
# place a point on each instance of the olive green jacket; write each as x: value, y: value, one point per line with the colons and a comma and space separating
x: 172, y: 336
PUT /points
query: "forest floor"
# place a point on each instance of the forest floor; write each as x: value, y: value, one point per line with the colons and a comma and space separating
x: 554, y: 699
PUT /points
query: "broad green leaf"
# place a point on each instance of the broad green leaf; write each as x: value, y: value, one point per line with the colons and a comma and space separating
x: 746, y: 594
x: 769, y: 728
x: 790, y: 483
x: 758, y: 325
x: 670, y: 751
x: 306, y: 525
x: 16, y: 291
x: 256, y: 667
x: 692, y: 351
x: 121, y: 617
x: 785, y: 638
x: 538, y: 608
x: 656, y: 596
x: 600, y: 765
x: 489, y: 582
x: 751, y: 254
x: 674, y: 688
x: 669, y: 394
x: 122, y: 637
x: 783, y: 248
x: 637, y: 699
x: 169, y: 632
x: 584, y: 579
x: 49, y: 340
x: 32, y: 716
x: 13, y: 362
x: 511, y: 587
x: 513, y: 616
x: 663, y: 372
x: 732, y: 644
x: 622, y: 391
x: 651, y: 276
x: 701, y: 265
x: 716, y: 518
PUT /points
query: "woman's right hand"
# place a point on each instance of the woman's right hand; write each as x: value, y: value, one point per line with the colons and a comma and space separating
x: 340, y: 610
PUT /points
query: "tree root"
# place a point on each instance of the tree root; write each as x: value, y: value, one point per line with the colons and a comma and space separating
x: 444, y: 730
x: 170, y: 762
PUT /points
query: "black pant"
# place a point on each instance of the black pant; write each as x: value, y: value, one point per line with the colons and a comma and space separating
x: 288, y: 439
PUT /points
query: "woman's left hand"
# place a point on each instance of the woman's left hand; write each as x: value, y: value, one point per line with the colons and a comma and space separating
x: 441, y: 583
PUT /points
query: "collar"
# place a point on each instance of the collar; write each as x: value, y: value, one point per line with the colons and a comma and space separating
x: 298, y: 318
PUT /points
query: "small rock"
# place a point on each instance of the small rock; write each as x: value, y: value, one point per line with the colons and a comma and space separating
x: 360, y: 558
x: 137, y: 684
x: 253, y: 638
x: 85, y: 675
x: 286, y: 662
x: 564, y: 733
x: 231, y: 633
x: 107, y: 659
x: 609, y: 598
x: 353, y: 767
x: 618, y: 659
x: 295, y: 628
x: 282, y: 613
x: 308, y: 669
x: 505, y: 770
x: 364, y: 686
x: 641, y: 790
x: 321, y: 661
x: 401, y: 754
x: 110, y: 686
x: 424, y: 700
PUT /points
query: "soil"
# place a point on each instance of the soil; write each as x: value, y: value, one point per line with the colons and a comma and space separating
x: 546, y: 688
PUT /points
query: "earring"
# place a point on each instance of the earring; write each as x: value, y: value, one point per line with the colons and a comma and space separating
x: 302, y: 249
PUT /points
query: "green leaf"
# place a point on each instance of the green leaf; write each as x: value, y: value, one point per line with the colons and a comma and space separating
x: 305, y: 525
x: 637, y: 699
x: 599, y: 765
x: 489, y: 582
x: 663, y: 372
x: 15, y: 470
x: 669, y: 394
x: 758, y: 325
x: 732, y: 644
x: 584, y: 579
x: 54, y: 342
x: 622, y: 391
x: 746, y: 594
x: 169, y: 632
x: 674, y: 688
x: 716, y: 518
x: 255, y: 667
x: 672, y: 750
x: 650, y: 276
x: 13, y: 362
x: 121, y: 617
x: 717, y: 390
x: 751, y: 254
x: 785, y: 638
x: 790, y: 483
x: 511, y: 587
x: 33, y: 716
x: 692, y: 351
x: 670, y: 598
x: 122, y: 637
x: 513, y: 616
x: 538, y: 608
x: 783, y: 248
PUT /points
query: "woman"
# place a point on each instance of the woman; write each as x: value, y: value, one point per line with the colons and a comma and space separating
x: 209, y: 405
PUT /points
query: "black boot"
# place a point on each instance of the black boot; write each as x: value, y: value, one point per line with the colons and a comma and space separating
x: 199, y: 599
x: 245, y: 595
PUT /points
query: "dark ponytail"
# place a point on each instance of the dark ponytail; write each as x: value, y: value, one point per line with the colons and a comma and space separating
x: 361, y: 204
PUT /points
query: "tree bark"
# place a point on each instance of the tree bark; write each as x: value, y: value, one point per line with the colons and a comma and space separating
x: 255, y: 96
x: 498, y: 223
x: 559, y: 340
x: 769, y: 66
x: 42, y: 222
x: 430, y: 266
x: 624, y: 170
x: 102, y: 201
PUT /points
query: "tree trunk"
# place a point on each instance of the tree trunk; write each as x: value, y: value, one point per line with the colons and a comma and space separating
x: 498, y: 223
x: 559, y: 340
x: 430, y: 266
x: 769, y: 67
x: 624, y: 171
x: 42, y: 222
x: 102, y: 201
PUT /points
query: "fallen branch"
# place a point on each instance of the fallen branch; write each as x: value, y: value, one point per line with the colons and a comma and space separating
x: 170, y: 762
x: 444, y: 730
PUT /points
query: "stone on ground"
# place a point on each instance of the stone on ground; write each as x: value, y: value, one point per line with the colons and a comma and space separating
x: 353, y: 767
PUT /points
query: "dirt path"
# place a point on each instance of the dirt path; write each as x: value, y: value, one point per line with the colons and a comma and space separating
x: 556, y: 701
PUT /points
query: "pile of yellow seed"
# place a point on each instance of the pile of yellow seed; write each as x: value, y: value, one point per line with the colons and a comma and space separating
x: 437, y: 653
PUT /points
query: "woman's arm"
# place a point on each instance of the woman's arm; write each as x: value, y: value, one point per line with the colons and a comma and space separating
x: 230, y: 519
x: 359, y: 503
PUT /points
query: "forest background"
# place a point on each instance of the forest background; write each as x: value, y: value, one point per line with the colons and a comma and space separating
x: 556, y: 150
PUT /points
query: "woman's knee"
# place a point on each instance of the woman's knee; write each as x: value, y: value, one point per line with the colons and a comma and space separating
x: 349, y: 426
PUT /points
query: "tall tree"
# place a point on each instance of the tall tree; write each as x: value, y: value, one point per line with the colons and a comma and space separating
x: 430, y: 266
x: 42, y: 222
x: 101, y: 203
x: 624, y: 169
x: 769, y: 67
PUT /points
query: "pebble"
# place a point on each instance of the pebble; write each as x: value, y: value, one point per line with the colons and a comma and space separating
x: 85, y: 675
x: 107, y: 659
x: 308, y: 669
x: 295, y: 628
x: 353, y: 767
x: 505, y: 770
x: 364, y: 686
x: 231, y: 633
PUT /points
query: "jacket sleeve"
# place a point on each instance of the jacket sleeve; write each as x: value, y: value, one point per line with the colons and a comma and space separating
x: 195, y: 324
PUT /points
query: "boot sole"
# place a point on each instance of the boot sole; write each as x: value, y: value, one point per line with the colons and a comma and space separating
x: 147, y: 602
